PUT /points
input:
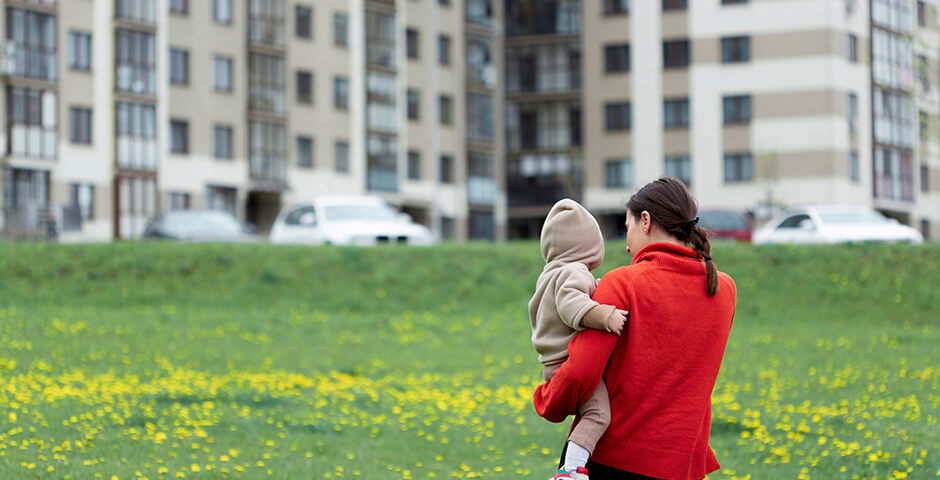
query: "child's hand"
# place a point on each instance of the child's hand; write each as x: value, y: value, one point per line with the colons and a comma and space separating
x: 616, y: 321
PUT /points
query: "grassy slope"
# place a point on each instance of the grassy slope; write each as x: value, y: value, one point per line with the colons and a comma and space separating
x: 815, y: 327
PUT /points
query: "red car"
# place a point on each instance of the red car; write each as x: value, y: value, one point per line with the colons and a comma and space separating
x: 726, y: 223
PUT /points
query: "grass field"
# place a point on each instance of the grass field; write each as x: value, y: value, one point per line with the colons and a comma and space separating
x: 206, y: 361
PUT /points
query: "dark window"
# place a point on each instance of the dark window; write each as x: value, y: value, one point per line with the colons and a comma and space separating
x: 222, y: 11
x: 794, y: 221
x: 616, y: 7
x: 676, y: 113
x: 341, y: 93
x: 617, y: 116
x: 447, y: 228
x: 414, y: 104
x: 674, y: 4
x: 303, y: 21
x: 341, y: 156
x: 924, y: 178
x: 617, y: 58
x: 443, y: 2
x: 304, y: 87
x: 222, y: 142
x: 179, y: 136
x: 853, y: 166
x: 619, y: 173
x: 735, y: 49
x: 80, y: 125
x: 447, y: 169
x: 443, y: 49
x: 79, y: 50
x: 304, y: 152
x: 446, y: 110
x: 922, y: 72
x: 574, y: 122
x: 852, y: 48
x: 736, y: 109
x: 739, y: 167
x: 921, y: 13
x: 676, y: 54
x: 380, y: 39
x: 222, y: 73
x: 414, y: 165
x: 136, y: 62
x: 733, y: 2
x: 852, y: 112
x: 480, y: 116
x: 528, y: 125
x: 482, y: 225
x: 293, y: 218
x: 340, y: 29
x: 413, y: 43
x: 381, y: 163
x: 179, y: 66
x: 925, y: 228
x: 679, y: 167
x: 179, y: 7
x: 924, y: 130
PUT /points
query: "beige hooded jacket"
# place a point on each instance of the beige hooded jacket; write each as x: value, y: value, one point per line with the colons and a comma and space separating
x: 572, y: 246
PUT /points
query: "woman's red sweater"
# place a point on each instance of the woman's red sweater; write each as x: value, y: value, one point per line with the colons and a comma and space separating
x: 660, y: 373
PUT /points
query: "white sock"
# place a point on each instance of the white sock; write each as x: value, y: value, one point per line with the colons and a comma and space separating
x: 576, y: 456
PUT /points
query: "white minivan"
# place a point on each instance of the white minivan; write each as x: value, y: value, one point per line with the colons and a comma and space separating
x: 347, y: 220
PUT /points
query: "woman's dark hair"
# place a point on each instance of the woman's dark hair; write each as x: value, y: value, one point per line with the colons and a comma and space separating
x: 670, y: 204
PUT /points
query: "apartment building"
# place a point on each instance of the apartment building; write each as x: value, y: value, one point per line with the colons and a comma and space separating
x: 116, y: 110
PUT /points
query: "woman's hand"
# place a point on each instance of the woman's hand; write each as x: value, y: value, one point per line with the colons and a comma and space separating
x: 616, y: 321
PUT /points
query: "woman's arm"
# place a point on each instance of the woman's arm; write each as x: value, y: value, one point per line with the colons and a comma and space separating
x: 588, y: 352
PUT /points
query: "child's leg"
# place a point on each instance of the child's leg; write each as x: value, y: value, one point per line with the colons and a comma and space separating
x: 595, y: 417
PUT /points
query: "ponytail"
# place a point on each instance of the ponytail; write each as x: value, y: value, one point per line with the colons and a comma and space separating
x: 699, y: 240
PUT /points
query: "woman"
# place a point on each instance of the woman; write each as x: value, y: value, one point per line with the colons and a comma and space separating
x: 661, y: 372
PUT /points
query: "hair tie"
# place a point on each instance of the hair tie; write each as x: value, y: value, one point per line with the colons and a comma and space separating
x: 708, y: 259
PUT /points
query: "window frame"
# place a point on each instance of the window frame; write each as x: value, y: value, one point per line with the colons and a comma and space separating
x: 175, y: 125
x: 83, y: 136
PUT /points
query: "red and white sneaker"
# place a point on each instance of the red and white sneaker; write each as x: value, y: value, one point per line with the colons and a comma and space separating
x: 580, y: 474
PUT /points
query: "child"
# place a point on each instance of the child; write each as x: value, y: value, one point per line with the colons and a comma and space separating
x: 572, y: 246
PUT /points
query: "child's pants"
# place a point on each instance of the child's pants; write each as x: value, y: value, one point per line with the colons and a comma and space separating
x: 595, y: 414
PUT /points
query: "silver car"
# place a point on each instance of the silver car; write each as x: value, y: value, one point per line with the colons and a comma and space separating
x: 835, y: 224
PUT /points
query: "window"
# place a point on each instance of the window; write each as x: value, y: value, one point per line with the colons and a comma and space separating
x: 341, y: 93
x: 447, y: 169
x: 853, y: 167
x: 794, y: 221
x: 480, y: 117
x: 136, y: 62
x: 617, y: 58
x: 222, y: 11
x: 80, y: 125
x: 617, y: 116
x: 32, y: 122
x: 443, y: 49
x: 619, y: 173
x: 445, y: 3
x: 676, y: 113
x: 482, y: 225
x: 480, y: 12
x: 82, y: 200
x: 414, y: 165
x: 137, y: 136
x: 479, y: 56
x: 304, y: 152
x: 222, y: 142
x: 679, y: 167
x: 304, y: 87
x: 222, y: 73
x: 447, y: 228
x: 303, y: 20
x: 924, y: 178
x: 739, y: 167
x: 852, y: 111
x: 674, y: 5
x: 267, y: 146
x: 412, y: 44
x: 921, y: 14
x: 445, y: 110
x: 414, y: 104
x: 143, y: 11
x: 922, y: 72
x: 341, y: 156
x: 381, y: 95
x: 736, y: 49
x: 676, y: 54
x: 616, y: 7
x: 179, y: 136
x: 924, y: 131
x: 266, y: 22
x: 266, y: 83
x: 734, y: 2
x: 32, y: 35
x: 380, y: 39
x: 222, y: 198
x: 340, y: 27
x: 481, y: 178
x: 178, y: 201
x: 552, y: 67
x: 736, y: 109
x: 79, y: 50
x: 381, y: 163
x: 179, y: 7
x: 852, y: 42
x: 925, y: 228
x: 179, y: 66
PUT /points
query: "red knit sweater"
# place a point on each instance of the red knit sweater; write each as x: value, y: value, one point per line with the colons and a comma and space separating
x: 660, y: 373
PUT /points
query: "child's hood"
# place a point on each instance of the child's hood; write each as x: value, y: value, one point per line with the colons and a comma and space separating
x: 571, y: 234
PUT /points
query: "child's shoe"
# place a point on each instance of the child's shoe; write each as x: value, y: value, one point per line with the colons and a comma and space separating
x: 580, y: 474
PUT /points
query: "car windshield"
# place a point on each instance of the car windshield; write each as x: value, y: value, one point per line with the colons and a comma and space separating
x: 376, y: 212
x: 188, y: 224
x: 722, y: 220
x: 852, y: 217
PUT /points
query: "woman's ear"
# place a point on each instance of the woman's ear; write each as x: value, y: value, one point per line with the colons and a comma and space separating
x: 646, y: 222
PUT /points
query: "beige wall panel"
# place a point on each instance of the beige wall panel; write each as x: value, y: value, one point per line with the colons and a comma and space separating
x: 812, y: 164
x: 800, y: 104
x: 736, y: 138
x: 675, y: 83
x: 675, y: 25
x: 676, y: 142
x: 706, y: 50
x: 798, y: 44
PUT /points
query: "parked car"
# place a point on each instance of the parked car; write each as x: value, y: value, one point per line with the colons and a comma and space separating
x: 347, y: 220
x: 199, y: 226
x: 726, y: 223
x: 835, y: 224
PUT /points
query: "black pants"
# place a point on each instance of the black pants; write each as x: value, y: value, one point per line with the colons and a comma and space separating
x: 602, y: 472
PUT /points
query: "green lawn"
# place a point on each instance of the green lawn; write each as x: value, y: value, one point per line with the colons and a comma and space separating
x: 160, y: 360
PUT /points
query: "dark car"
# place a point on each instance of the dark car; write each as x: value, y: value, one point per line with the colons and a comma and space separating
x: 198, y: 226
x: 726, y: 223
